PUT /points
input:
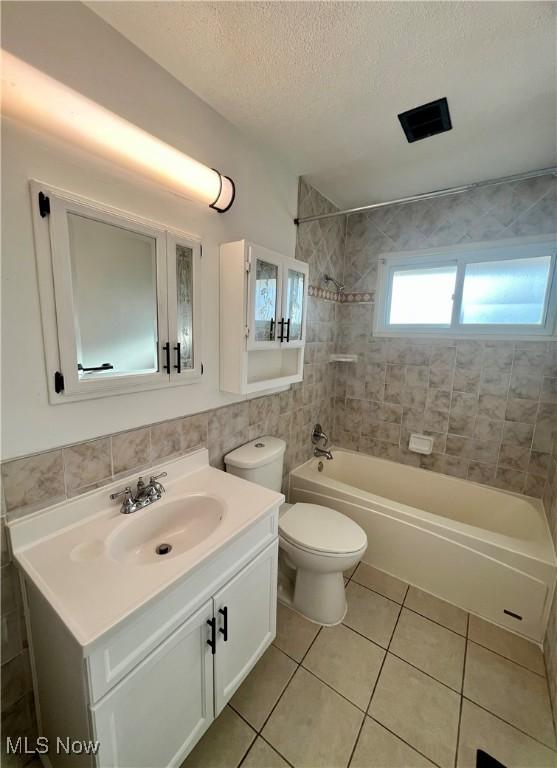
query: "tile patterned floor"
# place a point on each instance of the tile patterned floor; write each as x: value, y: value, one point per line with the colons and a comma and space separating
x: 407, y: 681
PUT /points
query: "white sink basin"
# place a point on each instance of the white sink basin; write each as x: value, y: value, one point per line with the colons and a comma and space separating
x: 162, y: 531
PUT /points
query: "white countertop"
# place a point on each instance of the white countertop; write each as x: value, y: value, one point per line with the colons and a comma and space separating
x: 63, y: 549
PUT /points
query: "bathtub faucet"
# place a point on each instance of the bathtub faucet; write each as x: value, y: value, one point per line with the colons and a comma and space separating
x: 317, y: 451
x: 316, y: 437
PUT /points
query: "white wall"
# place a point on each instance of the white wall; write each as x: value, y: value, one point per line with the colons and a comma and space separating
x: 69, y: 42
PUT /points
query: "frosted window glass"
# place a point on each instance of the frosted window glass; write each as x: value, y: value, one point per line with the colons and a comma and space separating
x: 422, y: 296
x: 505, y: 292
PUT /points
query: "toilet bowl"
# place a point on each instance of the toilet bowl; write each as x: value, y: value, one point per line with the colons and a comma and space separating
x: 317, y: 543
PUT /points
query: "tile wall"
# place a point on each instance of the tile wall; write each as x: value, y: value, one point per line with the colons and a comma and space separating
x: 490, y: 406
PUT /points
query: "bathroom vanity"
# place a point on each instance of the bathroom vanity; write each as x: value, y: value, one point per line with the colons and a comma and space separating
x: 137, y: 650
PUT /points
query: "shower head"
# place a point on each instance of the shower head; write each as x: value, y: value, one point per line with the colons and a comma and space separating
x: 329, y: 279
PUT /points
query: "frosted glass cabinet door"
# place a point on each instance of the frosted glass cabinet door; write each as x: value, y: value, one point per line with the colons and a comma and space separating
x: 265, y: 279
x: 182, y: 352
x: 295, y: 304
x: 245, y: 610
x: 160, y: 710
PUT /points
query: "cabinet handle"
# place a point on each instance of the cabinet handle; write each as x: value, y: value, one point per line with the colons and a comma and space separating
x: 288, y: 330
x: 211, y: 642
x: 271, y: 334
x: 224, y: 629
x: 178, y: 351
x: 281, y: 338
x: 166, y: 350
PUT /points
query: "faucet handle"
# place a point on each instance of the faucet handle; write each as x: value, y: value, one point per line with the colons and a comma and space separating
x: 153, y: 482
x: 127, y: 492
x: 128, y: 504
x: 318, y: 435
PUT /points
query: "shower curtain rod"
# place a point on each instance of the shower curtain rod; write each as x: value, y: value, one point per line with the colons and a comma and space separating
x: 429, y: 195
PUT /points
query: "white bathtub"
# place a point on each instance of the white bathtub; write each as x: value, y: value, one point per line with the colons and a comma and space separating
x: 485, y: 550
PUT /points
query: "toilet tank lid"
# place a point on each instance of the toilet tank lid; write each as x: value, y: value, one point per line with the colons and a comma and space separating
x: 261, y: 451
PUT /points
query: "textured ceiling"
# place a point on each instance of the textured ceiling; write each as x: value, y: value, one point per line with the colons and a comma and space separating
x: 321, y: 83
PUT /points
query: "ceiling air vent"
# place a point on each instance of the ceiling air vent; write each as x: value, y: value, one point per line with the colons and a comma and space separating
x: 427, y: 120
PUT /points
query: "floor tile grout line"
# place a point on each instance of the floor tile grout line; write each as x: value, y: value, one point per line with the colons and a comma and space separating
x: 427, y: 674
x: 449, y: 629
x: 401, y: 658
x: 501, y: 656
x: 276, y: 750
x: 366, y: 713
x: 403, y: 740
x: 403, y: 604
x: 334, y: 690
x: 248, y: 750
x: 511, y: 725
x: 279, y: 698
x: 383, y: 648
x: 258, y: 733
x: 462, y: 692
x: 298, y: 665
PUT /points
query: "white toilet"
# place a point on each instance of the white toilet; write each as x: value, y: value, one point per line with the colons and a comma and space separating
x: 317, y: 543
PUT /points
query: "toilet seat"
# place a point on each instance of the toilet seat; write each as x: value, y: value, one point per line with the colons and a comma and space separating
x: 321, y: 530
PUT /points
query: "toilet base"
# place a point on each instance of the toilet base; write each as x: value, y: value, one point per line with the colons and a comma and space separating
x: 320, y: 597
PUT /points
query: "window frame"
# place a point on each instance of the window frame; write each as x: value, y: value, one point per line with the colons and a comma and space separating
x: 460, y: 256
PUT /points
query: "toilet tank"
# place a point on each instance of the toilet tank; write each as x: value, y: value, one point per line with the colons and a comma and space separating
x: 260, y: 461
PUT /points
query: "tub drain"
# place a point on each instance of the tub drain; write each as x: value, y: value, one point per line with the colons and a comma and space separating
x: 163, y: 549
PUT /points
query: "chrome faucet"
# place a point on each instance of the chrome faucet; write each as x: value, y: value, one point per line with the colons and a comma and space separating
x: 318, y: 436
x: 145, y: 494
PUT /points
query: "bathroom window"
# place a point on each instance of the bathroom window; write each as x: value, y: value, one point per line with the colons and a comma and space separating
x: 500, y: 289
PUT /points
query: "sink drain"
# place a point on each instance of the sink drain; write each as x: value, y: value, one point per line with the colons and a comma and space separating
x: 163, y: 549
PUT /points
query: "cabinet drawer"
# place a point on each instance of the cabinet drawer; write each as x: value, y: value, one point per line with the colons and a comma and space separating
x: 121, y: 650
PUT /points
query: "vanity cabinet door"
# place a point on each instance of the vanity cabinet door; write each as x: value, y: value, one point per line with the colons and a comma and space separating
x: 245, y: 610
x: 156, y: 714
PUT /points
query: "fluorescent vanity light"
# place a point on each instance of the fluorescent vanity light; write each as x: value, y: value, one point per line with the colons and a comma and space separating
x: 44, y: 103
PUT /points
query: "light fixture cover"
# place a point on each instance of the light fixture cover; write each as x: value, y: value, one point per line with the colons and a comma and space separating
x: 44, y: 103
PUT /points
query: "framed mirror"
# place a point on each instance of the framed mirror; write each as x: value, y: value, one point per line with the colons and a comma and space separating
x: 121, y: 308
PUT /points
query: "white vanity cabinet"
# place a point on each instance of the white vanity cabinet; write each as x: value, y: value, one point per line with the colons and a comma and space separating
x: 149, y: 691
x: 263, y: 307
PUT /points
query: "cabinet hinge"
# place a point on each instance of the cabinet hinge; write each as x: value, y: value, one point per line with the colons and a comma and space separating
x: 248, y: 266
x: 58, y: 382
x: 44, y: 205
x: 246, y: 331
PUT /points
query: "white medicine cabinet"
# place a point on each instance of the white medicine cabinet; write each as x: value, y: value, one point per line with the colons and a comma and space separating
x: 263, y: 318
x: 120, y: 298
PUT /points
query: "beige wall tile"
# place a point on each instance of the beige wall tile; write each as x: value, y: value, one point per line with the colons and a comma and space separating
x: 131, y: 449
x: 87, y: 464
x: 34, y: 480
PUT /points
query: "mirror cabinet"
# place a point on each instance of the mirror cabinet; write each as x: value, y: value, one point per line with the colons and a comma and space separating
x: 120, y: 298
x: 263, y: 318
